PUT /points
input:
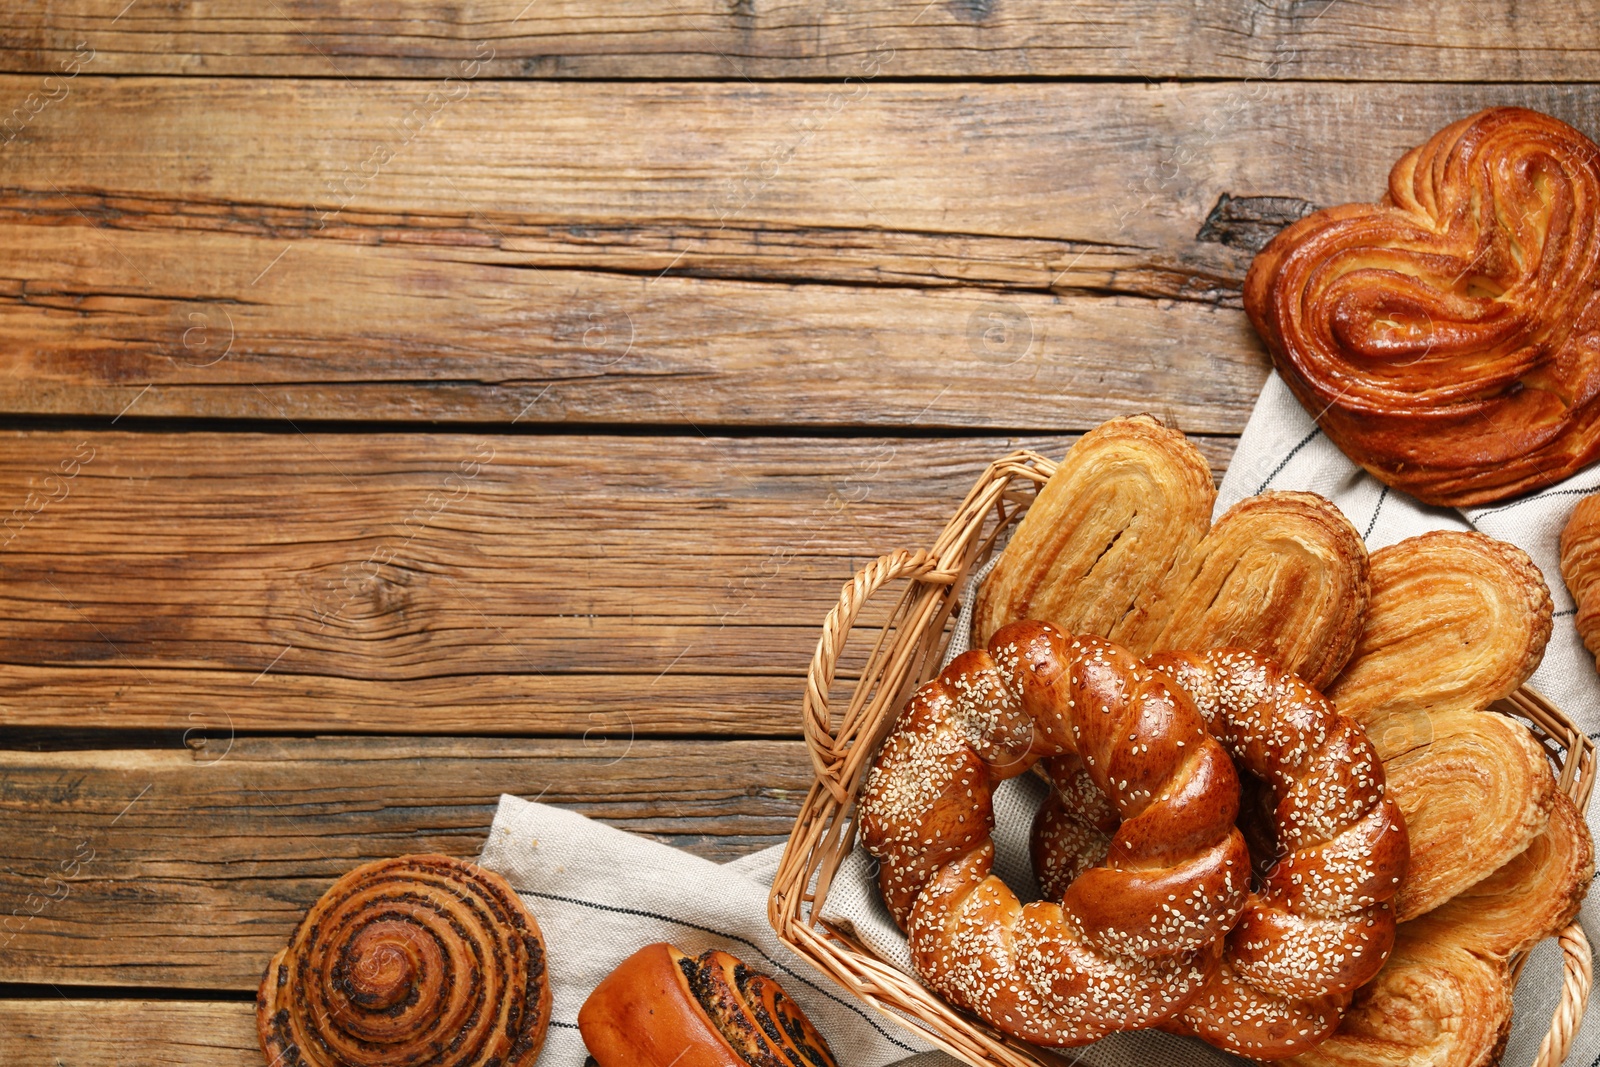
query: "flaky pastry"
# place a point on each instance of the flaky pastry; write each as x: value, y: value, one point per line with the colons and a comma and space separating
x: 1284, y: 574
x: 1474, y: 796
x: 1580, y: 569
x: 1447, y: 338
x: 1456, y: 621
x: 1130, y: 499
x: 1119, y: 544
x: 1444, y: 997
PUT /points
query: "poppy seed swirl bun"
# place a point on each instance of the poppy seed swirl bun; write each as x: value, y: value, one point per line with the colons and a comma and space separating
x: 422, y: 960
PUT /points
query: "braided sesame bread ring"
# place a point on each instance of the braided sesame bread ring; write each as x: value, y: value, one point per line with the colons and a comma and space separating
x: 1320, y: 923
x: 1133, y: 940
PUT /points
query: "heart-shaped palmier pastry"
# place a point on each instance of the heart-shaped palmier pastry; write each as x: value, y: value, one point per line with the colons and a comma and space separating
x: 1447, y: 338
x: 1119, y: 544
x: 1284, y: 574
x: 1129, y: 500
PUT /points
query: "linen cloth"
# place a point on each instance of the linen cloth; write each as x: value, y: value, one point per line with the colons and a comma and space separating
x: 600, y: 893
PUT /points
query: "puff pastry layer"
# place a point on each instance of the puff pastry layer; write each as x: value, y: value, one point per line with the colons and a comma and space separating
x: 1456, y: 621
x: 1448, y: 337
x: 1444, y: 998
x: 1476, y: 794
x: 1284, y: 574
x: 1129, y: 500
x: 1119, y: 544
x: 1580, y: 569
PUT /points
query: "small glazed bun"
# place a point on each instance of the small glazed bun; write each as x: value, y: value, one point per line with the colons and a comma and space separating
x: 664, y: 1008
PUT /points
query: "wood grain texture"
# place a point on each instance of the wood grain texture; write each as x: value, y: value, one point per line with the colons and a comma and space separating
x: 441, y: 583
x: 722, y: 254
x: 194, y: 865
x: 1454, y: 40
x: 341, y: 330
x: 116, y: 1033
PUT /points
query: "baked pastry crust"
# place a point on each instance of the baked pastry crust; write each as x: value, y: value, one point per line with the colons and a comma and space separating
x: 1435, y: 1004
x: 418, y: 960
x: 1447, y: 338
x: 1456, y: 621
x: 1119, y: 544
x: 1444, y: 998
x: 1474, y: 796
x: 1129, y: 500
x: 1580, y: 569
x: 1284, y: 574
x: 664, y: 1008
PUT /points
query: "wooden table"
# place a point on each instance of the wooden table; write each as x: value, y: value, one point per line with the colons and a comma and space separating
x: 407, y: 404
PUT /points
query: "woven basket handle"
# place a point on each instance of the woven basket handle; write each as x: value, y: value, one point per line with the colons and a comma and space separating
x: 1577, y: 973
x: 816, y: 718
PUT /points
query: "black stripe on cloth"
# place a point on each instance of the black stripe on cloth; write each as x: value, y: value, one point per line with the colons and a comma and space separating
x: 1384, y: 495
x: 731, y: 937
x: 1564, y: 614
x: 564, y: 1026
x: 1476, y: 515
x: 1293, y: 452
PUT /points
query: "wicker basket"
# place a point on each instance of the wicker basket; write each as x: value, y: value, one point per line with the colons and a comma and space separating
x: 908, y: 651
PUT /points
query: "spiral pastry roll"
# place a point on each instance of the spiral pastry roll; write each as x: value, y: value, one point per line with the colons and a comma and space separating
x: 1132, y: 940
x: 1447, y: 338
x: 420, y: 960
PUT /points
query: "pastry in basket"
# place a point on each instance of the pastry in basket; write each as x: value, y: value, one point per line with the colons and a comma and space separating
x: 1134, y: 939
x: 1119, y: 543
x: 1444, y: 998
x: 411, y: 961
x: 1580, y: 569
x: 1447, y: 338
x: 1454, y: 622
x: 664, y: 1008
x: 1457, y: 621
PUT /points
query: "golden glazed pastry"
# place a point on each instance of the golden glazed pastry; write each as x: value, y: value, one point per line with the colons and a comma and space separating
x: 1580, y: 569
x: 664, y: 1008
x: 1447, y: 338
x: 1129, y: 944
x: 1119, y: 544
x: 415, y: 961
x: 1444, y: 998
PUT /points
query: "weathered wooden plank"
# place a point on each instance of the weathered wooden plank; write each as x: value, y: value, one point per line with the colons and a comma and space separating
x: 116, y: 1033
x: 266, y: 247
x: 192, y: 867
x: 404, y: 333
x: 1471, y: 40
x: 443, y: 583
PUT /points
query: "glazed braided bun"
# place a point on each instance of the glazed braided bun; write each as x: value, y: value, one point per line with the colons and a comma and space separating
x: 420, y: 960
x: 1133, y: 940
x: 1447, y: 338
x: 1320, y: 922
